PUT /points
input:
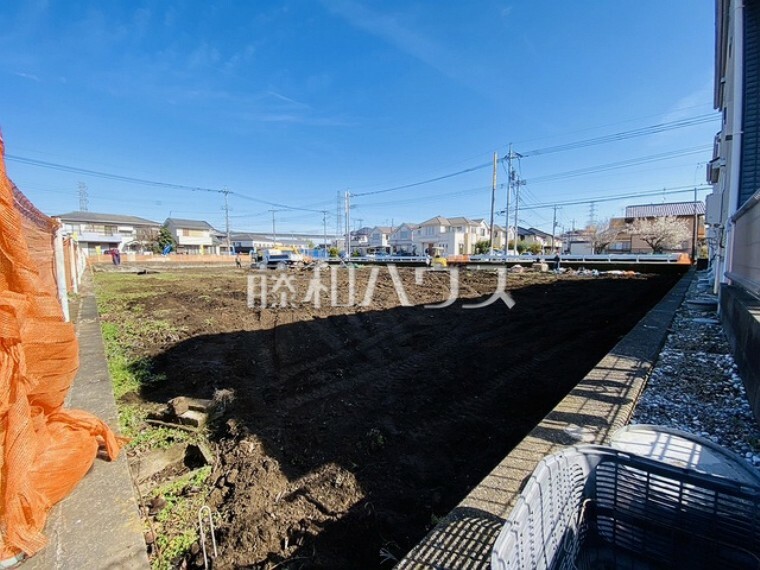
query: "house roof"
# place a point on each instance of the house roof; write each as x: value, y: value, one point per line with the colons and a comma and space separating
x: 80, y: 216
x: 188, y: 224
x: 662, y: 210
x: 382, y: 229
x: 459, y: 221
x: 521, y: 231
x: 437, y: 221
x: 247, y: 236
x: 365, y: 231
x: 537, y: 232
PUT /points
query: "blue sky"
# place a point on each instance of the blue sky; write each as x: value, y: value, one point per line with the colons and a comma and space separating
x: 293, y: 102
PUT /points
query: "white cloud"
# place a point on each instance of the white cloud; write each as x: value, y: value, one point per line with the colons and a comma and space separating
x: 391, y: 29
x: 30, y: 76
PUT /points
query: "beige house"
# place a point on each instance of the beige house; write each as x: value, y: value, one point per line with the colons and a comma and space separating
x: 193, y: 236
x: 453, y: 236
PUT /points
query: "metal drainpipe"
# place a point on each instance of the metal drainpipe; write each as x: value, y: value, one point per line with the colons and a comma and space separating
x: 60, y: 272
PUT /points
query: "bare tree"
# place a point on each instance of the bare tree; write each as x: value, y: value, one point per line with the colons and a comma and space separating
x: 663, y: 233
x: 602, y: 235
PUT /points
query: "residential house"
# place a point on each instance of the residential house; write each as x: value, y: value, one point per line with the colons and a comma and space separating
x: 97, y: 233
x: 627, y: 242
x: 437, y: 236
x: 401, y: 240
x: 193, y: 236
x: 530, y: 236
x: 360, y: 241
x: 500, y: 240
x: 455, y: 236
x: 245, y: 242
x: 379, y: 240
x: 733, y: 207
x: 577, y: 242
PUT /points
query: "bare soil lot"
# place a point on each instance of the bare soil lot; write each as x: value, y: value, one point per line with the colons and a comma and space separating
x: 354, y: 428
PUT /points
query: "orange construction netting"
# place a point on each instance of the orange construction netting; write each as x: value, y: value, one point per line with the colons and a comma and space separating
x: 44, y: 450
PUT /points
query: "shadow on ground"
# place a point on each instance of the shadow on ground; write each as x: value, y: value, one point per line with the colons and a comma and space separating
x: 350, y: 435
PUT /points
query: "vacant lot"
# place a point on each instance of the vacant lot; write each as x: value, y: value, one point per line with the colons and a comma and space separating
x: 354, y: 428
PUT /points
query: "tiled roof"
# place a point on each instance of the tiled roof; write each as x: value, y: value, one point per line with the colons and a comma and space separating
x: 188, y: 224
x: 93, y: 217
x: 437, y: 221
x: 662, y: 210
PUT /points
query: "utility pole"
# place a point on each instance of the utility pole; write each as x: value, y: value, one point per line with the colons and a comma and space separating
x: 513, y: 184
x: 339, y: 217
x: 518, y: 183
x: 554, y: 224
x: 493, y: 203
x: 274, y: 229
x: 324, y: 231
x: 226, y: 192
x: 694, y: 233
x: 510, y: 181
x: 348, y: 224
x: 83, y: 197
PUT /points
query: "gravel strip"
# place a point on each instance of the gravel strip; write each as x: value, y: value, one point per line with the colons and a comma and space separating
x: 695, y: 386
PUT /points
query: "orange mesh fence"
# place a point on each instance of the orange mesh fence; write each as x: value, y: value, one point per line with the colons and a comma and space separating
x: 44, y: 450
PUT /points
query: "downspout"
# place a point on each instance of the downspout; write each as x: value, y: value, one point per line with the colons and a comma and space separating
x: 60, y: 271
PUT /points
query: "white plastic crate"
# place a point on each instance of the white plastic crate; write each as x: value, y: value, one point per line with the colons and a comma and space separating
x: 596, y: 507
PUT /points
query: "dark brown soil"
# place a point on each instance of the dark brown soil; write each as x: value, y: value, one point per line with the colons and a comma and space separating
x: 353, y: 429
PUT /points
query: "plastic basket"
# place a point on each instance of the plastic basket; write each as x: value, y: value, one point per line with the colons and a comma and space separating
x: 595, y: 507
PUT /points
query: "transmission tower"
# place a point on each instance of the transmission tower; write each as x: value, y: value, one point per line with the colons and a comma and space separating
x: 592, y: 214
x: 83, y: 197
x: 341, y: 204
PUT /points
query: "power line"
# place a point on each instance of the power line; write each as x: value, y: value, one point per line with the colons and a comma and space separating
x: 140, y: 181
x: 624, y: 135
x: 428, y: 181
x: 620, y: 164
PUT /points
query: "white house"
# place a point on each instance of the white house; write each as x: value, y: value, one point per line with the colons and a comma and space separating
x: 379, y: 240
x: 733, y: 207
x: 244, y: 242
x: 455, y: 236
x: 97, y: 233
x: 400, y: 238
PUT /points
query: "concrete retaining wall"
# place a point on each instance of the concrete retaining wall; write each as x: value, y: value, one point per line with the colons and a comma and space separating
x: 740, y: 315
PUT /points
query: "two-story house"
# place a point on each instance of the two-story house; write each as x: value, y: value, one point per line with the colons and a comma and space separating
x: 379, y: 240
x: 401, y: 240
x: 193, y: 236
x: 547, y: 242
x: 98, y: 233
x: 455, y: 236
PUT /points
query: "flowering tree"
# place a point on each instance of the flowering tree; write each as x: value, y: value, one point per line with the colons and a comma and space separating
x: 602, y: 235
x: 663, y: 233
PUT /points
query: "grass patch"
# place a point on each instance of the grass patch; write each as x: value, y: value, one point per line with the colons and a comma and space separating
x: 177, y: 520
x: 131, y: 336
